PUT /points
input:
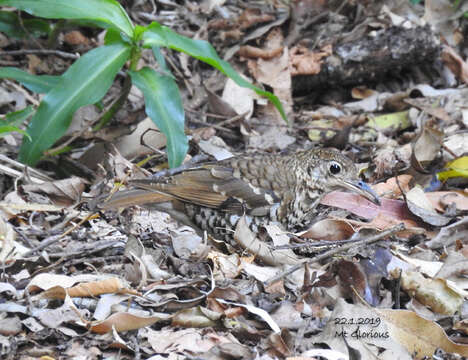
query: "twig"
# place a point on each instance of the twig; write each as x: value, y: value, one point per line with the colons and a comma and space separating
x: 185, y: 166
x: 229, y: 131
x: 41, y: 177
x: 63, y: 54
x: 329, y: 253
x: 199, y: 113
x: 20, y: 19
x: 54, y: 239
x: 233, y: 119
x: 31, y: 99
x: 444, y: 147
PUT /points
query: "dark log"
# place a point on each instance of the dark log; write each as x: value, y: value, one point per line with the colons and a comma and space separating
x: 370, y: 58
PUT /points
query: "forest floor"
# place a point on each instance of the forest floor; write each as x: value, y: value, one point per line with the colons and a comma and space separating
x: 385, y: 82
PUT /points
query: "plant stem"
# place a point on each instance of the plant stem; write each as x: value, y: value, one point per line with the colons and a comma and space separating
x: 53, y: 36
x: 127, y: 85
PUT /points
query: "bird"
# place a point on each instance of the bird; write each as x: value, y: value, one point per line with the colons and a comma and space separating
x: 265, y: 188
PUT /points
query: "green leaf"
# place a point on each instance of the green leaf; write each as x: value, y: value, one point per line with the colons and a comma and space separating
x: 164, y: 106
x: 158, y: 35
x: 36, y: 83
x: 84, y: 83
x: 113, y: 36
x: 10, y: 121
x: 5, y: 129
x: 12, y: 27
x: 160, y: 59
x: 109, y: 12
x: 17, y: 117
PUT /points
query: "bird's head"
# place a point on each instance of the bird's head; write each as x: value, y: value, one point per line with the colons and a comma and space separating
x: 329, y: 170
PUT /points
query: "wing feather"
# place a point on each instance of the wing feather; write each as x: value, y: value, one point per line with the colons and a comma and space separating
x: 212, y: 186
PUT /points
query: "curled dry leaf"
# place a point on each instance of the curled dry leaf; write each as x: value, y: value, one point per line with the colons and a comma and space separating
x: 253, y: 16
x: 9, y: 248
x: 219, y: 106
x: 189, y: 246
x: 249, y: 51
x: 89, y: 289
x: 330, y: 230
x: 257, y: 311
x: 247, y: 239
x: 131, y: 145
x: 216, y: 147
x: 440, y: 200
x: 426, y: 147
x: 46, y: 281
x: 352, y: 276
x: 455, y: 63
x: 197, y: 317
x: 125, y: 322
x: 63, y: 192
x: 239, y: 98
x: 274, y: 72
x: 429, y: 268
x: 420, y: 206
x: 434, y: 293
x: 390, y: 188
x: 450, y: 234
x: 224, y: 266
x: 305, y: 62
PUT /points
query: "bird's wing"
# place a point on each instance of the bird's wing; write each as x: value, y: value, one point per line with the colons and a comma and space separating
x: 213, y: 186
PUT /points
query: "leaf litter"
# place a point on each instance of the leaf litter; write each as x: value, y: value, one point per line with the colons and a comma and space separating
x: 135, y: 283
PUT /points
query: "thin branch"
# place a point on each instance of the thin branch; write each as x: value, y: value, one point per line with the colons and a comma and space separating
x: 63, y: 54
x: 332, y: 252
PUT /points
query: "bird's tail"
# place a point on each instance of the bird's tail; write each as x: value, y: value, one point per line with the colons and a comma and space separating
x: 133, y: 197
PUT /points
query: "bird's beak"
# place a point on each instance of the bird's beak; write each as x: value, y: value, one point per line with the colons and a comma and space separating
x: 361, y: 188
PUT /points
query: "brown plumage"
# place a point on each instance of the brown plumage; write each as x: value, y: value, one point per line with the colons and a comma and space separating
x: 266, y: 188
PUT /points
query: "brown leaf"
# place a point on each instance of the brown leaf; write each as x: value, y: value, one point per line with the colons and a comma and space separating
x: 247, y: 239
x: 455, y: 63
x: 434, y: 293
x: 63, y: 192
x: 418, y: 335
x: 426, y: 147
x: 126, y: 322
x: 394, y: 209
x: 420, y: 206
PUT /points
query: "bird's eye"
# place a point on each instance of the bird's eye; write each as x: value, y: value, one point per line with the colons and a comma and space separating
x: 335, y: 168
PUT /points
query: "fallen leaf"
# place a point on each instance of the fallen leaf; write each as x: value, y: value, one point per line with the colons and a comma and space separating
x: 247, y: 239
x: 434, y: 293
x: 420, y: 206
x: 125, y: 322
x: 426, y: 147
x: 391, y: 188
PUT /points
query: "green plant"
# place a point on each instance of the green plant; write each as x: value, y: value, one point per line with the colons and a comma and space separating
x: 11, y: 121
x: 90, y: 77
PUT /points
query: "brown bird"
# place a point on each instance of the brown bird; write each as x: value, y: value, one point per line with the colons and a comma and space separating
x: 266, y: 188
